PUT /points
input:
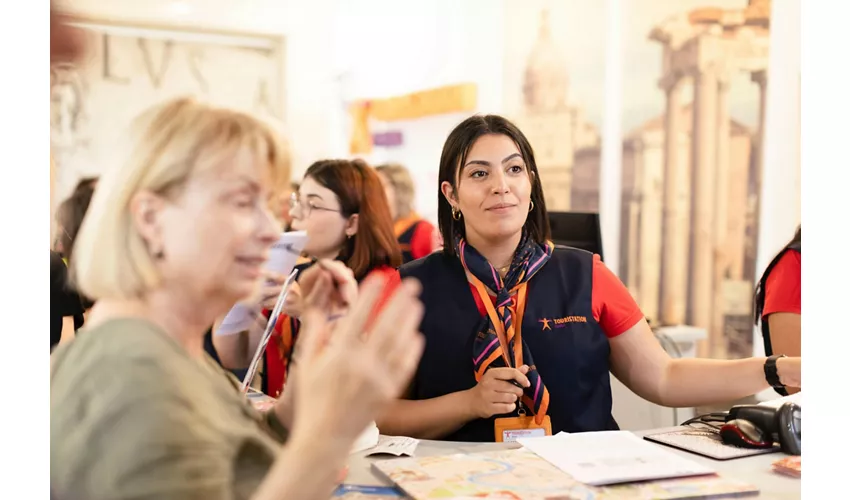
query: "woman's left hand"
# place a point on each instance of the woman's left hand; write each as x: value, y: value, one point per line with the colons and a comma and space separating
x: 789, y: 371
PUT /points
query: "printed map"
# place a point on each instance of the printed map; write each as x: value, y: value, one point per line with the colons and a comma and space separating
x: 522, y: 475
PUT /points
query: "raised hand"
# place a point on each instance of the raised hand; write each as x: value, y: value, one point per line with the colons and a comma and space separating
x: 341, y: 386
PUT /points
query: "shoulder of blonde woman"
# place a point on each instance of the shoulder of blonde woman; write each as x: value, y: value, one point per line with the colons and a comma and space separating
x: 132, y: 415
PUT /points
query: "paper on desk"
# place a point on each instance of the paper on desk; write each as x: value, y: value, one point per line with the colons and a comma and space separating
x: 394, y: 445
x: 282, y: 258
x: 611, y: 457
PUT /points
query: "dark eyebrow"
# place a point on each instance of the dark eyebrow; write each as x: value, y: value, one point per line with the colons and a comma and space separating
x: 487, y: 163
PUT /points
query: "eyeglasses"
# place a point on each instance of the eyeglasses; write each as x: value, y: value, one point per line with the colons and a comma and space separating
x: 306, y: 208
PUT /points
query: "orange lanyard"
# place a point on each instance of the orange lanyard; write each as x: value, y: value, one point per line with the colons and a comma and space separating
x: 520, y: 292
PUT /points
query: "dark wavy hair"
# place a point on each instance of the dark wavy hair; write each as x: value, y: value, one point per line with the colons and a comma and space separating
x: 359, y: 190
x: 455, y: 151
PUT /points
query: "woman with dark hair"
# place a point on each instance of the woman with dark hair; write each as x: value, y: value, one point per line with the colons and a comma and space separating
x: 416, y: 236
x: 65, y: 301
x: 521, y: 335
x: 69, y: 216
x: 777, y: 301
x: 342, y: 206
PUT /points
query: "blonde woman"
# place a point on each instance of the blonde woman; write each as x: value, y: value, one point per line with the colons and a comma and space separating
x: 416, y: 236
x: 174, y: 237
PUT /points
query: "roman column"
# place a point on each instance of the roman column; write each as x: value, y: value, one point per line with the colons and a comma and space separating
x: 721, y: 204
x: 674, y: 245
x: 704, y: 165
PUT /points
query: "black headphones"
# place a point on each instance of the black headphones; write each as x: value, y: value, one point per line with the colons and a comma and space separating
x: 757, y: 426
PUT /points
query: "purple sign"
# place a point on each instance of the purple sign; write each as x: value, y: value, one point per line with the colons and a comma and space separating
x: 387, y: 139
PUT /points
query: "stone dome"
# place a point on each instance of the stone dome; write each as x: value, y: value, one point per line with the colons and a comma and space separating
x: 546, y: 79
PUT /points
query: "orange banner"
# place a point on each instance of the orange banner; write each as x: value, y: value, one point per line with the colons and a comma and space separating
x: 437, y: 101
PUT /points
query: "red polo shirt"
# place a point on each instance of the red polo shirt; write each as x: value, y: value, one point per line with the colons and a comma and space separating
x: 613, y: 306
x: 782, y: 289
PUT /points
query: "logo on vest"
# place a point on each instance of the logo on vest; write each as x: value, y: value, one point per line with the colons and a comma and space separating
x: 560, y: 322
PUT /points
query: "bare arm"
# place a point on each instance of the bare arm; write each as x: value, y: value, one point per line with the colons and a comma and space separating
x: 639, y: 361
x: 785, y: 333
x: 232, y: 350
x: 306, y: 469
x: 432, y: 418
x: 68, y: 332
x: 236, y: 351
x: 785, y: 336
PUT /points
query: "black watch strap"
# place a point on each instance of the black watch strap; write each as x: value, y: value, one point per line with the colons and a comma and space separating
x: 770, y: 371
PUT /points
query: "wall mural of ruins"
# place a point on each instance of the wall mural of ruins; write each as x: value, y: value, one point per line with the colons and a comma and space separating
x: 694, y: 89
x: 691, y: 165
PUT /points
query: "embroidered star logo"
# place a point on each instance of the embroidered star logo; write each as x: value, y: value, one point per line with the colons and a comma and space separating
x: 545, y: 324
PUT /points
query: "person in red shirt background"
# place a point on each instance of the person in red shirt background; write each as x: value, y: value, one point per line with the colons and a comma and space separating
x: 342, y: 207
x: 777, y: 300
x: 416, y: 236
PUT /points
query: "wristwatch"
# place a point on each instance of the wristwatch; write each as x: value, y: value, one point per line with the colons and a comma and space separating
x: 770, y: 371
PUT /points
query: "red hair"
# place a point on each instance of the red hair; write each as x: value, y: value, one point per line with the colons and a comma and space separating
x: 359, y: 191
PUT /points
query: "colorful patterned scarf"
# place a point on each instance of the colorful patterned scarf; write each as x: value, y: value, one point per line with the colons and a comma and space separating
x: 487, y: 350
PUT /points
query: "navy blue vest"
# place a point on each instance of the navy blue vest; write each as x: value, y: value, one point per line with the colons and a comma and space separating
x: 569, y: 347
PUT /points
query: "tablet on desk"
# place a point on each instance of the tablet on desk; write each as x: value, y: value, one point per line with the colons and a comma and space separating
x: 704, y: 442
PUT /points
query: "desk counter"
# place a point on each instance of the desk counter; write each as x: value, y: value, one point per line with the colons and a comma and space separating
x: 753, y: 470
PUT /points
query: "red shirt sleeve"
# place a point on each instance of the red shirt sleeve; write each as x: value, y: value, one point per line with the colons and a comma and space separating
x: 393, y: 280
x: 613, y: 306
x: 782, y: 289
x: 422, y: 241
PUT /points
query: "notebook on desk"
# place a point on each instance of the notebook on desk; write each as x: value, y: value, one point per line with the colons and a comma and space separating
x: 704, y: 442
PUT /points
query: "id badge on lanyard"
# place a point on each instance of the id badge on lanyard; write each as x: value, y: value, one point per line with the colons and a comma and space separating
x: 509, y: 429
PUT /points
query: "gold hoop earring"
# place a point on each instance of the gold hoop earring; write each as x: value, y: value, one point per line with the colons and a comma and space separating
x: 531, y: 207
x: 456, y: 215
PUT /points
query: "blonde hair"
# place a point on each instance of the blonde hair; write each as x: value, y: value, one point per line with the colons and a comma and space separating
x: 168, y: 144
x: 402, y: 183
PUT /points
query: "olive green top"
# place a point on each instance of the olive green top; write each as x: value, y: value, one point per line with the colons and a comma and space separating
x: 132, y: 415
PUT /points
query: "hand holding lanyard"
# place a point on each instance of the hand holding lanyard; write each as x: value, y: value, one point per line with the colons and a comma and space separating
x: 508, y: 429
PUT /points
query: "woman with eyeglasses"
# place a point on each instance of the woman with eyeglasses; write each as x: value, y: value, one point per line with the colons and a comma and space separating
x: 342, y: 206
